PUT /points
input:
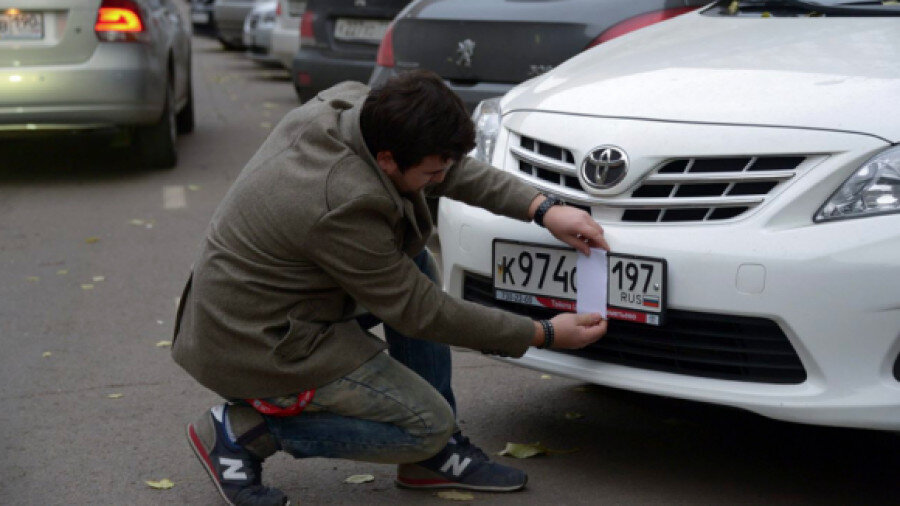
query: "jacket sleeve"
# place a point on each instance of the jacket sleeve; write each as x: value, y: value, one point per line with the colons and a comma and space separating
x: 354, y: 243
x: 479, y: 184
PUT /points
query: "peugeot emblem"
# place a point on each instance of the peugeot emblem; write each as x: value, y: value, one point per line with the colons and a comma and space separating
x: 603, y: 167
x: 464, y: 51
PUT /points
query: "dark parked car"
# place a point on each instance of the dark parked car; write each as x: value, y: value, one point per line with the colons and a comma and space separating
x: 338, y: 41
x: 482, y: 48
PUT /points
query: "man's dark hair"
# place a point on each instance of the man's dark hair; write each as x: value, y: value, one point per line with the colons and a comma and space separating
x: 415, y: 115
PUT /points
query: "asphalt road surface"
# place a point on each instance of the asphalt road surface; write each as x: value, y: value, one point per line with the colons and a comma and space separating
x: 94, y: 252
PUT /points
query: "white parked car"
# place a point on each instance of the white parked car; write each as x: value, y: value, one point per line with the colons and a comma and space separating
x: 286, y: 33
x: 745, y: 166
x: 257, y: 38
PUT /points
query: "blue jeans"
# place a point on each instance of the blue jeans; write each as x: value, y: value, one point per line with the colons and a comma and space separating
x: 390, y: 410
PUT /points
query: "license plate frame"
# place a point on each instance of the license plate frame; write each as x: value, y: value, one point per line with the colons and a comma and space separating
x: 505, y: 288
x: 19, y: 19
x: 360, y: 30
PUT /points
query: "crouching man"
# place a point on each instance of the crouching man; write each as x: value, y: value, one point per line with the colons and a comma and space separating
x: 329, y: 217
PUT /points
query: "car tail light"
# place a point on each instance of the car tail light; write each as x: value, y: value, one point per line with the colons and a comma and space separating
x: 385, y: 56
x: 278, y: 9
x: 307, y: 35
x: 639, y: 21
x: 119, y: 20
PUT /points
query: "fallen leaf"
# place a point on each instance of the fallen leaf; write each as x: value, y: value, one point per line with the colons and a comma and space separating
x: 46, y: 354
x: 571, y: 415
x: 766, y: 14
x: 137, y: 222
x: 33, y: 279
x: 115, y: 396
x: 193, y: 187
x: 546, y: 377
x: 268, y: 105
x: 266, y: 125
x: 455, y: 495
x: 160, y: 322
x: 163, y: 484
x: 98, y: 279
x: 359, y: 478
x: 164, y: 344
x: 87, y: 286
x: 733, y: 7
x: 523, y: 450
x: 580, y: 389
x: 62, y: 272
x: 92, y: 240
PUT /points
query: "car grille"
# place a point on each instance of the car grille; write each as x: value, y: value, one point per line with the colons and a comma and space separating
x: 677, y: 190
x: 690, y: 343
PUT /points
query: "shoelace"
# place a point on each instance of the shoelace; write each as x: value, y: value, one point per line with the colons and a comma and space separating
x: 462, y: 442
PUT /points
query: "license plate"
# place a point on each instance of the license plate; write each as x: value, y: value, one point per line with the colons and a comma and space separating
x: 369, y: 30
x: 201, y: 18
x: 545, y: 276
x: 21, y: 25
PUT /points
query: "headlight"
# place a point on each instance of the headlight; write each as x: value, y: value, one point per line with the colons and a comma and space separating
x: 487, y: 126
x: 871, y: 190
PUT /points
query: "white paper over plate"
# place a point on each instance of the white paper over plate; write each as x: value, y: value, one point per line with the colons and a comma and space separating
x: 592, y: 272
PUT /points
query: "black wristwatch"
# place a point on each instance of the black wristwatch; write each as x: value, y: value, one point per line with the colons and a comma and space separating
x: 545, y: 206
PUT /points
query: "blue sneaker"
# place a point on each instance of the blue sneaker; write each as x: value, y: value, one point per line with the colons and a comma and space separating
x: 236, y: 473
x: 461, y: 465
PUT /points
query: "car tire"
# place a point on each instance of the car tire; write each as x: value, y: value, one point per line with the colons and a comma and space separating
x: 184, y: 122
x: 304, y: 94
x: 156, y: 143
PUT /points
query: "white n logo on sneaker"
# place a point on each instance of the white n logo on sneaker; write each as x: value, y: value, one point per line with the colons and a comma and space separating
x: 233, y: 471
x: 458, y: 467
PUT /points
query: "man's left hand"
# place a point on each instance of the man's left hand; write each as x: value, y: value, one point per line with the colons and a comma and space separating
x: 575, y: 228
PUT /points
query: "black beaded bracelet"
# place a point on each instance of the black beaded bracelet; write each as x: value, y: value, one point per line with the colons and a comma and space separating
x: 548, y: 334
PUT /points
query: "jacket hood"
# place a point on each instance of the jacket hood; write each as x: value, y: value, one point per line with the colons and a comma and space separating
x: 823, y: 73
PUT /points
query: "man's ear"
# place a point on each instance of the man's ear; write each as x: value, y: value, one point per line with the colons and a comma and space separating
x: 385, y: 160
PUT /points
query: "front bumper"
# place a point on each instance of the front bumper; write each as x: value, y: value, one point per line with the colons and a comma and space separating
x: 121, y: 84
x: 831, y: 288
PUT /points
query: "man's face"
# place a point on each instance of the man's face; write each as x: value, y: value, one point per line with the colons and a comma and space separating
x: 431, y: 170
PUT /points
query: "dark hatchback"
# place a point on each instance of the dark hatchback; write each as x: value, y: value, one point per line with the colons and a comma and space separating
x: 338, y: 41
x: 483, y: 48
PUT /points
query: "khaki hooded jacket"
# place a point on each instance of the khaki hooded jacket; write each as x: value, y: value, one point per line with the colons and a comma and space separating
x: 311, y: 229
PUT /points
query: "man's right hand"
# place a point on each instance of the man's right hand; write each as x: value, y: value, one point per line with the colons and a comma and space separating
x: 573, y: 331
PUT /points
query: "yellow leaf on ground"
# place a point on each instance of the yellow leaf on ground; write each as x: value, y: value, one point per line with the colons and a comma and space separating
x: 455, y: 495
x: 115, y: 396
x: 62, y: 272
x: 92, y: 240
x: 523, y: 450
x: 733, y: 7
x: 269, y: 105
x: 33, y: 279
x: 359, y: 478
x: 87, y: 286
x: 546, y: 377
x: 766, y: 14
x: 265, y: 124
x: 137, y: 222
x: 571, y: 415
x: 580, y: 389
x: 98, y: 279
x: 46, y: 354
x: 164, y: 344
x: 193, y: 187
x: 163, y: 484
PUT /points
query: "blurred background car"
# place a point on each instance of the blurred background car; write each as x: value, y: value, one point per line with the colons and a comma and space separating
x: 258, y: 26
x: 98, y: 64
x: 229, y: 17
x: 202, y: 17
x: 482, y: 48
x: 286, y: 33
x: 338, y: 42
x: 744, y: 162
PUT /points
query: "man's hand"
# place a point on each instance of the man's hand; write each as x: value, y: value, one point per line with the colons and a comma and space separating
x: 572, y: 226
x: 572, y: 331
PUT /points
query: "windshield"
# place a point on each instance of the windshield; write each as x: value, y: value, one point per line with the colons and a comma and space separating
x: 766, y: 8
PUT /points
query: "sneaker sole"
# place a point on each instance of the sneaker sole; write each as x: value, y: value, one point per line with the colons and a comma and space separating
x: 433, y: 484
x: 203, y: 457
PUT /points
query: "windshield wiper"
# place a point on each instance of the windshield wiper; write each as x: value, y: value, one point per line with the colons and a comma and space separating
x: 851, y: 8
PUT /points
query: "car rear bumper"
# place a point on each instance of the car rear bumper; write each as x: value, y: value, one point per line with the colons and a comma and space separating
x: 324, y: 72
x: 120, y: 85
x: 285, y: 43
x: 471, y: 95
x: 832, y: 299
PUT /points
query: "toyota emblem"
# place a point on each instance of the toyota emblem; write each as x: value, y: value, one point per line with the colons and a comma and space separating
x: 603, y: 167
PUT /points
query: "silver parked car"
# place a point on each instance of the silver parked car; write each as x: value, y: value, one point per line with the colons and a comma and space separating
x: 258, y: 26
x: 94, y: 64
x: 229, y: 16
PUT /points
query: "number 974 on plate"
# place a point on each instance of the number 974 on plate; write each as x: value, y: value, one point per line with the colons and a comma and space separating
x: 546, y: 276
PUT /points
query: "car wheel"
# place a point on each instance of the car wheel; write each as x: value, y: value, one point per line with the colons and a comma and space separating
x: 304, y: 94
x: 230, y: 46
x: 185, y: 119
x: 156, y: 143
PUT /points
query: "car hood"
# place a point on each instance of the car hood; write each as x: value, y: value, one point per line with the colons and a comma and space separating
x: 824, y: 73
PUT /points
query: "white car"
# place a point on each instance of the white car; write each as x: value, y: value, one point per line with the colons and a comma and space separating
x: 745, y: 166
x: 286, y: 32
x: 257, y: 38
